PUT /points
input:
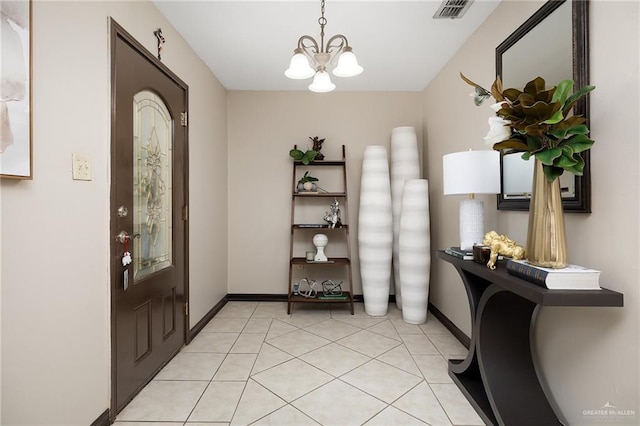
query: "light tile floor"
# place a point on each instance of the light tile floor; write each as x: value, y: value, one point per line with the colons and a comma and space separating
x: 255, y: 365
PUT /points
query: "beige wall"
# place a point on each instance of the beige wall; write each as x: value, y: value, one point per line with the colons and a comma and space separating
x: 263, y: 127
x: 589, y: 356
x: 55, y: 231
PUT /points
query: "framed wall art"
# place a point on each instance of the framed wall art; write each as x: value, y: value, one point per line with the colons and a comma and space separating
x: 16, y: 158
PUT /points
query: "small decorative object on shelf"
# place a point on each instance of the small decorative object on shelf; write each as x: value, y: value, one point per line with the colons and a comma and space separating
x: 307, y: 183
x: 501, y: 244
x: 329, y: 288
x: 459, y: 253
x: 481, y: 254
x: 538, y: 122
x: 471, y: 254
x: 572, y: 277
x: 332, y: 291
x: 309, y: 291
x: 320, y: 241
x: 317, y: 146
x: 333, y: 217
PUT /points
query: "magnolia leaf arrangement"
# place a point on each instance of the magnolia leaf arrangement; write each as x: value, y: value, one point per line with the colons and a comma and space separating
x: 538, y: 122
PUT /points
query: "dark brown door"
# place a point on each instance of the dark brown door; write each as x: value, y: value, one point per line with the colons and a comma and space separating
x: 148, y: 201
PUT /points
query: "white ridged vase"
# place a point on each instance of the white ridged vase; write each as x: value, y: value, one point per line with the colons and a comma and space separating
x: 404, y: 165
x: 415, y: 251
x: 375, y: 230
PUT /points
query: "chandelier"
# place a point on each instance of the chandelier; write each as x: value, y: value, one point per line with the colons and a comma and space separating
x: 311, y: 59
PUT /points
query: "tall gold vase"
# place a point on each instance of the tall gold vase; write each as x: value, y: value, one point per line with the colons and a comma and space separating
x: 546, y: 236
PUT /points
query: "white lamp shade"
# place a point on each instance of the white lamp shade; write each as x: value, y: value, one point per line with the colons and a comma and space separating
x: 347, y: 65
x: 299, y: 68
x: 471, y: 172
x: 322, y: 83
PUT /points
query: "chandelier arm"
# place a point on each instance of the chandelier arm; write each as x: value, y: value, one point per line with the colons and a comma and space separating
x: 309, y: 49
x: 335, y: 45
x: 313, y: 45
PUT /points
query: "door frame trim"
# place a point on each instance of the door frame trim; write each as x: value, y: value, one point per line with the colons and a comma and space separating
x: 117, y: 31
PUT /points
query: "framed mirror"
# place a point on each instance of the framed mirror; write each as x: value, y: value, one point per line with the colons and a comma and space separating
x: 553, y: 44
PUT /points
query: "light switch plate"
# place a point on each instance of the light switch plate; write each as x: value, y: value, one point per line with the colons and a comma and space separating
x: 81, y: 167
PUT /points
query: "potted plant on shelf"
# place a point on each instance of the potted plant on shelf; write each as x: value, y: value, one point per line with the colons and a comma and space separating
x: 305, y: 157
x: 306, y: 183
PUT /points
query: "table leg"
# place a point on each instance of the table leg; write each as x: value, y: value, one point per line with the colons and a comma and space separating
x: 503, y: 347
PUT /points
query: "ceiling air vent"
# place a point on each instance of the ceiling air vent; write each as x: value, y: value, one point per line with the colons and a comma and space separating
x: 452, y: 9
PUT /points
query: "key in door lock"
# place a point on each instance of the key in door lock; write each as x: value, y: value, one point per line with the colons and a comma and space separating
x: 123, y: 237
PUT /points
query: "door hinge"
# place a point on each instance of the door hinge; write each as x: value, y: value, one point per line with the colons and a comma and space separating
x: 185, y: 212
x: 186, y: 309
x: 184, y: 119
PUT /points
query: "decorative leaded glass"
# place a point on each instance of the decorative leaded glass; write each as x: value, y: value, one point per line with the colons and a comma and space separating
x: 152, y: 184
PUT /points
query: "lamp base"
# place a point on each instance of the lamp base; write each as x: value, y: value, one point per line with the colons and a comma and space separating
x: 471, y: 223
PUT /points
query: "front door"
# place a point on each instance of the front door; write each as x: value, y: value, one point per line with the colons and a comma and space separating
x: 148, y: 213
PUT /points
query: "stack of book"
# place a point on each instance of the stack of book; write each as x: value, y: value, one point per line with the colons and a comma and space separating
x: 459, y: 253
x: 462, y: 254
x: 573, y: 277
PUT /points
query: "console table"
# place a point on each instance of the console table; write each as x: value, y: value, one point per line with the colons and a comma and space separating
x: 499, y: 376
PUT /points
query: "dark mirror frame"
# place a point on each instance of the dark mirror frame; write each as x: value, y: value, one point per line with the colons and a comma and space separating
x: 581, y: 202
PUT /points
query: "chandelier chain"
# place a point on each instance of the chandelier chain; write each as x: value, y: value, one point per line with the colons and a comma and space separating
x: 322, y: 21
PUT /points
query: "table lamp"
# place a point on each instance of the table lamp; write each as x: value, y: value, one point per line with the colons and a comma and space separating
x: 471, y: 172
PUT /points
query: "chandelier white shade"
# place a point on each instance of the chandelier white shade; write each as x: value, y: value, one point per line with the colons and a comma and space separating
x: 299, y: 68
x: 322, y: 83
x: 471, y: 172
x: 311, y: 59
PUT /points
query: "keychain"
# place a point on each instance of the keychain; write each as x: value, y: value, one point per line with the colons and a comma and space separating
x: 126, y: 257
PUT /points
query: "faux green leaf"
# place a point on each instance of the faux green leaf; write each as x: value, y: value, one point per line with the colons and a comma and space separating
x: 578, y: 168
x: 308, y: 156
x: 547, y: 156
x: 296, y: 154
x: 552, y: 173
x: 555, y: 118
x: 568, y: 104
x: 562, y: 133
x: 533, y: 143
x: 563, y: 89
x: 307, y: 178
x: 565, y: 161
x: 579, y: 143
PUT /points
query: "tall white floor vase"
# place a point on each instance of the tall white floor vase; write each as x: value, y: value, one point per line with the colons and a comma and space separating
x: 404, y: 165
x: 375, y: 230
x: 415, y: 250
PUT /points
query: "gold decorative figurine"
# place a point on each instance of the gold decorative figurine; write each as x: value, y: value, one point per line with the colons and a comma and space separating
x: 501, y: 244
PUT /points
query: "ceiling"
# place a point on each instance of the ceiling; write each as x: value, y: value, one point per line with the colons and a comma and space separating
x: 248, y: 44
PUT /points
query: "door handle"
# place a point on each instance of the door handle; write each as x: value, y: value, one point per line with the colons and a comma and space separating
x: 123, y: 236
